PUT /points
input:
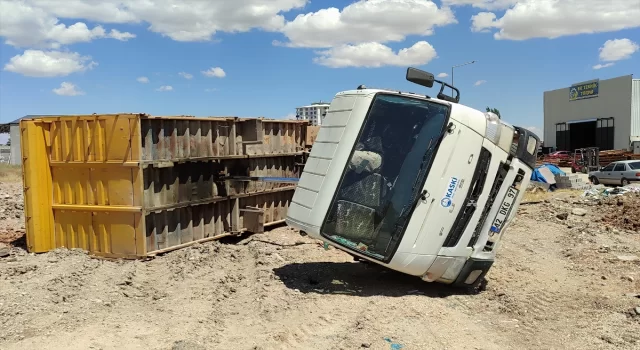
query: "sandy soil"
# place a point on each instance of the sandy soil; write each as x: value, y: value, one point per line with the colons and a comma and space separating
x: 563, y: 280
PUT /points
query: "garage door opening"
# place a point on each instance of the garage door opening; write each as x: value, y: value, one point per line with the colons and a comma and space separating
x: 588, y: 133
x: 582, y: 135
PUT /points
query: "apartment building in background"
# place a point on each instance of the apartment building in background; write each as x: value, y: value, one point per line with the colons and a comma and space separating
x: 314, y: 112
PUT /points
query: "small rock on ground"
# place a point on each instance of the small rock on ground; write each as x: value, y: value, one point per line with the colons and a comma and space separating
x: 579, y: 212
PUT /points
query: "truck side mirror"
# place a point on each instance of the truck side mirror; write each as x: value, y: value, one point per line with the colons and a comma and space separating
x: 420, y: 77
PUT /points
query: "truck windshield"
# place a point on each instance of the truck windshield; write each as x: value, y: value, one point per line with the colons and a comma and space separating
x: 385, y: 174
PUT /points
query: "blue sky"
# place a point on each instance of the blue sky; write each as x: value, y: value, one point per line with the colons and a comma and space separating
x: 71, y: 57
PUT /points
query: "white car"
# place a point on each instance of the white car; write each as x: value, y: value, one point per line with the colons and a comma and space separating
x: 619, y: 173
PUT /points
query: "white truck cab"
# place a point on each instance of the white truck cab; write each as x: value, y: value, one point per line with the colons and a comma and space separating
x: 425, y: 186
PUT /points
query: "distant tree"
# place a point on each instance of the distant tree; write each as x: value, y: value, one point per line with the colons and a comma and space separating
x: 494, y: 111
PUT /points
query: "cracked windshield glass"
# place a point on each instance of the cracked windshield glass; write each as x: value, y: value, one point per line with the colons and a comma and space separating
x: 385, y: 174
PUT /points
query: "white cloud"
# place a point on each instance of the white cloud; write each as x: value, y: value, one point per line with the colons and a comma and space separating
x: 480, y: 82
x: 143, y: 80
x: 483, y: 4
x: 200, y: 19
x: 443, y: 75
x: 26, y: 24
x: 375, y: 55
x: 105, y: 11
x: 553, y: 19
x: 483, y: 21
x: 165, y: 88
x: 606, y: 65
x: 195, y: 20
x: 618, y: 49
x: 366, y: 21
x: 122, y: 36
x: 214, y: 72
x: 185, y: 75
x: 68, y: 89
x: 30, y: 23
x: 36, y: 63
x: 211, y: 90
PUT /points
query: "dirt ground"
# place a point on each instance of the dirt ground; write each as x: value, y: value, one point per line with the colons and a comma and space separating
x: 567, y: 277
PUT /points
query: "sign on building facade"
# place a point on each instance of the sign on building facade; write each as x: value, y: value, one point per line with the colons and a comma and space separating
x: 584, y: 90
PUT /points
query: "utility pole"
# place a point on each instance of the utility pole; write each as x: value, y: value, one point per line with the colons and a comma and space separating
x: 460, y: 65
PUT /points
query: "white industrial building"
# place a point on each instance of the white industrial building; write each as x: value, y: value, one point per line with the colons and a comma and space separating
x: 314, y: 112
x: 595, y: 113
x: 13, y: 129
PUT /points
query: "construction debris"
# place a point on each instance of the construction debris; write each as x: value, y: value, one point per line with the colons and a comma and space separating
x: 573, y: 181
x: 600, y: 191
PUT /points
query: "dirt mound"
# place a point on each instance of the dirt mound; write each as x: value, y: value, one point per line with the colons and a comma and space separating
x: 9, y: 236
x: 623, y: 212
x: 11, y: 214
x: 559, y: 282
x: 11, y: 207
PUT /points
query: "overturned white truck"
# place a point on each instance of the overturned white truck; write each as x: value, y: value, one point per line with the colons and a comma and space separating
x: 421, y: 185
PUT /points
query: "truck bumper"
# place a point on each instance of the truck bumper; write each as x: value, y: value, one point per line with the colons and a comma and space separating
x: 472, y: 273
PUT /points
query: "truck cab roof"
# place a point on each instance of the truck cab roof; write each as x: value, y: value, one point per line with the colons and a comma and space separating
x: 471, y: 117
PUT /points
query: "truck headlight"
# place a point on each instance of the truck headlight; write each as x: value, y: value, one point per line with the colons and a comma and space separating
x: 500, y: 133
x: 506, y: 137
x: 493, y: 129
x: 532, y: 145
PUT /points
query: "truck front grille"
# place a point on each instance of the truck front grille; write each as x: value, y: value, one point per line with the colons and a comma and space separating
x: 497, y: 184
x: 470, y: 202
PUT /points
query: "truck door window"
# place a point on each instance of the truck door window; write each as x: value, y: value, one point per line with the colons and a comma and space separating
x: 386, y: 172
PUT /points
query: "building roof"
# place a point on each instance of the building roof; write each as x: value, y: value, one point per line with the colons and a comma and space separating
x: 4, y: 128
x: 629, y: 76
x: 317, y: 104
x: 17, y: 121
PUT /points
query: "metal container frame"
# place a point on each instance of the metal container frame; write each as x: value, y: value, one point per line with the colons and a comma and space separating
x: 135, y: 185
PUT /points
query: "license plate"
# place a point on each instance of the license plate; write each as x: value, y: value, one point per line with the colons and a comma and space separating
x: 505, y: 209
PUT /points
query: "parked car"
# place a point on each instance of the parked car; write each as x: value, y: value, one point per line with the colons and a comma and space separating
x: 560, y: 155
x: 617, y: 173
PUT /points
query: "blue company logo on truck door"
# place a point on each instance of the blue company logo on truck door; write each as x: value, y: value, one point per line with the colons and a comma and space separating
x: 450, y: 192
